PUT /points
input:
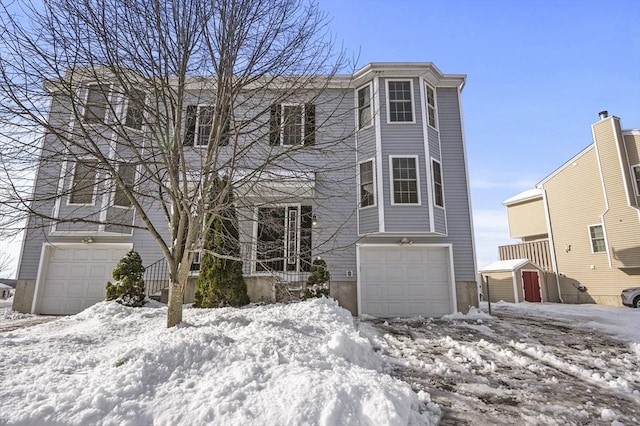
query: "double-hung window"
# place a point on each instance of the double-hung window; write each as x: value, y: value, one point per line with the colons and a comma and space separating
x: 292, y: 124
x: 598, y: 244
x: 95, y: 109
x: 367, y: 188
x: 84, y: 182
x: 635, y: 174
x: 127, y: 173
x: 431, y: 107
x: 135, y: 110
x: 364, y: 107
x: 400, y: 101
x: 404, y: 175
x: 199, y: 125
x: 438, y: 193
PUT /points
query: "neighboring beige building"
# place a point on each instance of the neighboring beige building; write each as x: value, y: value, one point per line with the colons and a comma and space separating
x: 582, y: 222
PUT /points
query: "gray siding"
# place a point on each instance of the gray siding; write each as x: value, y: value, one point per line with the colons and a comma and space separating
x: 366, y: 150
x: 439, y: 220
x: 434, y: 143
x: 454, y: 177
x: 406, y: 139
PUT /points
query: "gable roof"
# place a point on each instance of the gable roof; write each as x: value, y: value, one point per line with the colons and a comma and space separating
x: 507, y: 265
x: 529, y: 194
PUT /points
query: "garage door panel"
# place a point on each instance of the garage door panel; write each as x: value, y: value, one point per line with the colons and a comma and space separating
x: 405, y: 281
x: 394, y: 272
x: 416, y: 272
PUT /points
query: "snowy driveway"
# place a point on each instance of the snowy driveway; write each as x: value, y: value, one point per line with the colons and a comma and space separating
x: 515, y: 368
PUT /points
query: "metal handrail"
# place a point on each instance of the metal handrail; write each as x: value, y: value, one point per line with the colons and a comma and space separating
x: 156, y: 277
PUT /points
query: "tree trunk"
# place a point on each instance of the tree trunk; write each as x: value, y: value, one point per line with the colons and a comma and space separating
x: 174, y: 305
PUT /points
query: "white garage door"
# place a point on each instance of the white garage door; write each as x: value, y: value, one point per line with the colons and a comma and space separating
x: 398, y: 281
x: 75, y: 277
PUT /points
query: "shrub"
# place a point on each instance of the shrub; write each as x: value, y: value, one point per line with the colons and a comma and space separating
x: 318, y: 281
x: 129, y: 287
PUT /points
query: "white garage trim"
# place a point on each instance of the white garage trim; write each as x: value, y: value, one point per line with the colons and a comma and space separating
x: 449, y: 249
x: 45, y: 257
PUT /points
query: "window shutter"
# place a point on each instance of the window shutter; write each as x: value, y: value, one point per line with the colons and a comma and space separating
x: 190, y: 125
x: 274, y: 125
x: 309, y: 124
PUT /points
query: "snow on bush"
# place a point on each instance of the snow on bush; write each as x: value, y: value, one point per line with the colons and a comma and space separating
x: 301, y: 363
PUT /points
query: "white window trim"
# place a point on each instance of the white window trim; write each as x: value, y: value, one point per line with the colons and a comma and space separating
x: 433, y: 183
x: 107, y: 108
x: 196, y: 130
x: 371, y: 120
x: 435, y: 102
x: 126, y: 113
x: 418, y: 188
x: 254, y: 242
x: 636, y: 185
x: 303, y: 116
x: 604, y: 237
x: 413, y: 106
x: 73, y: 177
x: 375, y: 185
x: 112, y: 197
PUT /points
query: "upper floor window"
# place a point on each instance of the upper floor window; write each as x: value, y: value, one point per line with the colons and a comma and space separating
x: 635, y: 171
x: 431, y: 107
x: 364, y: 107
x: 404, y: 175
x: 400, y: 101
x: 598, y: 243
x: 95, y: 109
x: 292, y: 124
x: 135, y: 110
x: 199, y: 125
x: 438, y: 193
x: 367, y: 188
x: 127, y: 173
x: 84, y: 182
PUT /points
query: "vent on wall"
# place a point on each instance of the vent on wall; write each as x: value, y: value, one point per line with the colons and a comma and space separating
x: 349, y: 274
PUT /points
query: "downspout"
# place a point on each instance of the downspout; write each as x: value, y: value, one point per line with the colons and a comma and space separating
x: 552, y: 248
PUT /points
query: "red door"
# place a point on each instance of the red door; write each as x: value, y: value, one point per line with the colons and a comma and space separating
x: 531, y: 286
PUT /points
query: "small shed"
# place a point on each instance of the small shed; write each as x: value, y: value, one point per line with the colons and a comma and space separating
x: 517, y: 280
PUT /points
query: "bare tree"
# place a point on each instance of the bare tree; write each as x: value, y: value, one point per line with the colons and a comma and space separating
x: 6, y: 264
x: 143, y: 104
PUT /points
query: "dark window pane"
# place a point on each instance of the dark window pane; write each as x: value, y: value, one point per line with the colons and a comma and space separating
x: 84, y: 180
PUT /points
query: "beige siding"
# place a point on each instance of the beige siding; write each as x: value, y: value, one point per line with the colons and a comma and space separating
x: 527, y: 219
x: 500, y: 286
x: 621, y: 220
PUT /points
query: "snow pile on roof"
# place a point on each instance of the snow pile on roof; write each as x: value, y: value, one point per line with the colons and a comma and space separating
x: 505, y: 265
x: 294, y: 364
x: 529, y: 194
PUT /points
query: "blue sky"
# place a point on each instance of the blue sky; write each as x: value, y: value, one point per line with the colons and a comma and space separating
x: 538, y: 73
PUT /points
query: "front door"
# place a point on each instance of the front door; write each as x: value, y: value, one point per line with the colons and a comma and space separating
x: 531, y: 285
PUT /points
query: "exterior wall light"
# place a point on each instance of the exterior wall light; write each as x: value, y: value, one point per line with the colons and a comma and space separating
x: 314, y: 220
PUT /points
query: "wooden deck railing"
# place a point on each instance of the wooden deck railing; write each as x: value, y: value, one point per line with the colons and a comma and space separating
x: 537, y: 251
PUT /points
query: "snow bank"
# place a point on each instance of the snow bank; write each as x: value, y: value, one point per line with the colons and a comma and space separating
x: 291, y: 364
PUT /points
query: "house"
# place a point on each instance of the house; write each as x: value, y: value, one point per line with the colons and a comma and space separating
x: 388, y: 209
x: 5, y: 291
x: 581, y: 223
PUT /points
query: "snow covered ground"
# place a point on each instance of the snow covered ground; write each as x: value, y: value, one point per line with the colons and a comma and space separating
x: 538, y: 364
x: 307, y: 363
x: 302, y: 363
